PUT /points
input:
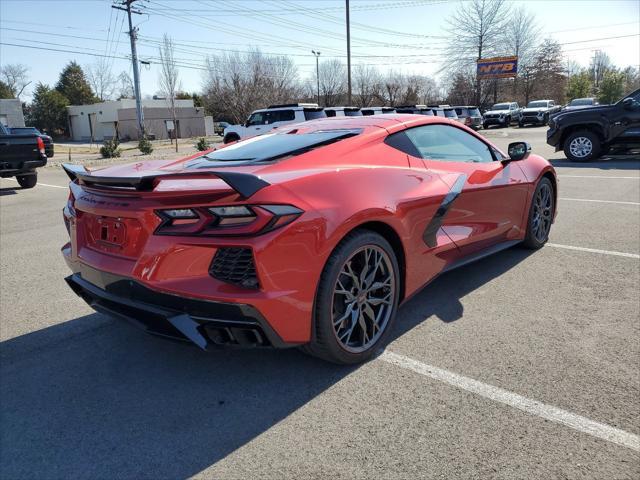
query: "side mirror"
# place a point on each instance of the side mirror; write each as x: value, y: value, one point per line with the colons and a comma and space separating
x: 519, y: 150
x: 629, y: 104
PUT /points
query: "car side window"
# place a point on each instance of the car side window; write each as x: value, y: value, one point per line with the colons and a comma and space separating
x: 284, y: 115
x: 552, y: 103
x: 449, y: 144
x: 256, y: 119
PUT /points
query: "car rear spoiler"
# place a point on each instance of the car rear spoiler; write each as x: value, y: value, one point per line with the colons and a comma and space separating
x: 245, y: 184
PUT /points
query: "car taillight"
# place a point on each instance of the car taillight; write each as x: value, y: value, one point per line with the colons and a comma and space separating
x: 41, y: 146
x: 467, y: 121
x: 231, y: 220
x: 69, y: 212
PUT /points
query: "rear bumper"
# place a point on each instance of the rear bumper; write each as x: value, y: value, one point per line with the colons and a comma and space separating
x: 207, y: 324
x: 11, y: 169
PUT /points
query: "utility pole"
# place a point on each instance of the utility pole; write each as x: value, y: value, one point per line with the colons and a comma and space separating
x: 125, y: 6
x: 348, y: 56
x: 317, y: 55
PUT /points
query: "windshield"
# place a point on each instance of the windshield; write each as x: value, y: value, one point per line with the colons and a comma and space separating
x: 500, y: 106
x: 450, y: 114
x: 474, y: 112
x: 24, y: 130
x: 536, y: 104
x: 581, y: 101
x: 273, y: 145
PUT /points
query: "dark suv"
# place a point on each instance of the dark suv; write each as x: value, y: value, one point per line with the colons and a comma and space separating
x: 586, y: 133
x: 20, y: 154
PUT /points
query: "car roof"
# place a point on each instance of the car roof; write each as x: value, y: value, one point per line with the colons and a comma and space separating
x: 391, y: 122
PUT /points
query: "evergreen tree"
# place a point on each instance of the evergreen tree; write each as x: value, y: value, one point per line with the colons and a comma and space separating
x: 74, y: 86
x: 48, y: 110
x: 611, y: 87
x: 579, y: 86
x: 5, y: 91
x: 549, y: 73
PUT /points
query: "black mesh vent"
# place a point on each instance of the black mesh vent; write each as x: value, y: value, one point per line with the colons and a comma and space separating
x: 234, y: 265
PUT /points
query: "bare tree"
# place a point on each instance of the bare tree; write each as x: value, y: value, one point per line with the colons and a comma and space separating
x: 169, y: 82
x: 600, y: 64
x: 14, y: 75
x: 125, y: 85
x: 476, y: 31
x: 367, y: 84
x: 332, y: 82
x: 393, y: 84
x: 235, y: 84
x: 572, y: 68
x: 520, y: 36
x: 101, y: 79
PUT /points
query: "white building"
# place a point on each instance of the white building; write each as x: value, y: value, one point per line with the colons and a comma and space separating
x: 107, y: 120
x: 11, y: 112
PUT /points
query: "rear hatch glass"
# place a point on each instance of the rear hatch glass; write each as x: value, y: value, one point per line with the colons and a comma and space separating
x: 270, y: 146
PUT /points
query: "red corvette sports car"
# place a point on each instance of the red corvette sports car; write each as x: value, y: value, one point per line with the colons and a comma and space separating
x: 311, y: 235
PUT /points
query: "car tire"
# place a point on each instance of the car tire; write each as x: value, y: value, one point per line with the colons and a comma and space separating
x: 485, y: 126
x: 230, y: 137
x: 507, y: 122
x: 334, y: 339
x: 545, y: 120
x: 520, y: 125
x: 541, y: 214
x: 582, y: 146
x: 27, y: 181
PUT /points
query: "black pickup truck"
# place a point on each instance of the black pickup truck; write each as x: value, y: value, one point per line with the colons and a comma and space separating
x: 587, y: 133
x: 20, y: 155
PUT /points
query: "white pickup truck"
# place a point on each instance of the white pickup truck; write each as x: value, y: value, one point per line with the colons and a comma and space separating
x: 266, y: 119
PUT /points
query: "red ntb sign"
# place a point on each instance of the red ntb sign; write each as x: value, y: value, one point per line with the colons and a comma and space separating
x: 498, y: 67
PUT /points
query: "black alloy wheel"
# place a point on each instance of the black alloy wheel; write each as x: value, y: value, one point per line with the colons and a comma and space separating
x: 540, y: 215
x: 357, y: 299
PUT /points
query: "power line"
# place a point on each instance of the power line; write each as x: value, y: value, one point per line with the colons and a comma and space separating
x: 293, y: 11
x: 598, y: 39
x: 232, y: 29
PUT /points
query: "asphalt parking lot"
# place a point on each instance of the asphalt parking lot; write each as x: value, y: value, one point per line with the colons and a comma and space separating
x: 522, y: 365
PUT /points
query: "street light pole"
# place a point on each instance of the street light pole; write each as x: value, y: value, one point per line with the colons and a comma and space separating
x: 317, y: 55
x: 348, y: 56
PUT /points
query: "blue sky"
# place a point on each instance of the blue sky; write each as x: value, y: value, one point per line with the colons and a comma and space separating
x: 412, y: 42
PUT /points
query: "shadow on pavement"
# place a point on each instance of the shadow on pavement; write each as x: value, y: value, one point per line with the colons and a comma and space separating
x: 95, y: 398
x: 8, y: 191
x: 617, y: 162
x: 442, y: 297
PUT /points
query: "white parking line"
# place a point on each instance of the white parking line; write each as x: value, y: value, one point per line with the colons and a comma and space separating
x: 599, y: 201
x: 594, y: 250
x: 41, y: 184
x: 597, y: 176
x: 548, y: 412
